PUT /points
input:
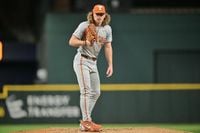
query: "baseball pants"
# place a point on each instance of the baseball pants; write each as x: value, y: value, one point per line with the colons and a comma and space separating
x: 89, y: 83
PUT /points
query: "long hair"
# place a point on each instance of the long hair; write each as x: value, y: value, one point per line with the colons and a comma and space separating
x: 106, y: 20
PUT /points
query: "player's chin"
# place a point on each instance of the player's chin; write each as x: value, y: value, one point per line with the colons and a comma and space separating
x: 99, y: 21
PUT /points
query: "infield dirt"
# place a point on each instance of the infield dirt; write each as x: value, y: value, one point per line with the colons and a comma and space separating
x: 106, y: 130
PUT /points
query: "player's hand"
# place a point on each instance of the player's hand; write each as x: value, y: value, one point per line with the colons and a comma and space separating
x: 101, y: 40
x: 109, y: 71
x: 88, y: 43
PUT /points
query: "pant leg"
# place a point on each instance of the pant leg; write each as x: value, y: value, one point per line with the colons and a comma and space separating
x: 83, y: 76
x: 95, y: 89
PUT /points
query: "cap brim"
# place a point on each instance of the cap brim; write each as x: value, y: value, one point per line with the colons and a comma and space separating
x: 99, y: 12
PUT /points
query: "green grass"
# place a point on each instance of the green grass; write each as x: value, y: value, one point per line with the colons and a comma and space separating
x: 17, y: 127
x: 194, y: 128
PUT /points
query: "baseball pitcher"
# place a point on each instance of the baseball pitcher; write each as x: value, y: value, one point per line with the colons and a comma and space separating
x: 89, y: 37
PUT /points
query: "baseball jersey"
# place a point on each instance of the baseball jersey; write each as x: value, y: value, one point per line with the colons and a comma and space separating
x: 102, y: 31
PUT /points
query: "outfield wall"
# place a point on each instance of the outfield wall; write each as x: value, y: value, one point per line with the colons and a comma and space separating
x: 147, y: 48
x: 119, y: 103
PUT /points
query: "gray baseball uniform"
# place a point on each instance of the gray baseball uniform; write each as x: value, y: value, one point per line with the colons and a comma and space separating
x: 85, y: 67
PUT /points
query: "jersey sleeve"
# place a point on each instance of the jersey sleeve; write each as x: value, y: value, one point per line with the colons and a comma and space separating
x: 109, y: 33
x: 80, y: 30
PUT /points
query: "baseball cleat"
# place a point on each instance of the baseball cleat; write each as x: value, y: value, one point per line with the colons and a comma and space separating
x: 97, y: 125
x: 89, y: 126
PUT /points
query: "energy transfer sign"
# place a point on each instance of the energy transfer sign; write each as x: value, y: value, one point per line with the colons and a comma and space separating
x: 39, y: 103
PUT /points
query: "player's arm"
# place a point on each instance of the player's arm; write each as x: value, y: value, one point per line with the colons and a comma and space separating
x: 76, y: 42
x: 109, y: 57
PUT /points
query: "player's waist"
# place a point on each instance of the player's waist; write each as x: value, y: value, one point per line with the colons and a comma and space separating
x: 88, y: 57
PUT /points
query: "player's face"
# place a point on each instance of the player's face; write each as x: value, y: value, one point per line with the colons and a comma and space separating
x: 99, y: 17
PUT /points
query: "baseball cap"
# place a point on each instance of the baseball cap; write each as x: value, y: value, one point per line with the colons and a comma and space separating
x: 99, y: 9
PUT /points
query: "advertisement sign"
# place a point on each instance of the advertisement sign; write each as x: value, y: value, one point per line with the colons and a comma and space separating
x: 39, y: 103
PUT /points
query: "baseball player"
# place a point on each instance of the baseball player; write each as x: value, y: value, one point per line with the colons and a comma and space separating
x: 90, y: 36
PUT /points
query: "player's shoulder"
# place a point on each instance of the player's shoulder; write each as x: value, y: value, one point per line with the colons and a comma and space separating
x: 84, y: 24
x: 108, y: 27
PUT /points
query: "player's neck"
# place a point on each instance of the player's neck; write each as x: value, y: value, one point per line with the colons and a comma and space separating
x: 98, y: 24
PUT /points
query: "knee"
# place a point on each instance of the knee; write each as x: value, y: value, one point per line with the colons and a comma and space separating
x: 96, y: 95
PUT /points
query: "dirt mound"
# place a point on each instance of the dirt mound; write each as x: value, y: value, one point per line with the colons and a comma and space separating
x: 106, y: 130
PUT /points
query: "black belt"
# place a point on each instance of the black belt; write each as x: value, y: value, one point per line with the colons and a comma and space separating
x: 88, y: 57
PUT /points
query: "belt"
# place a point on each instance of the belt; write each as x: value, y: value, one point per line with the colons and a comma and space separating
x: 88, y: 57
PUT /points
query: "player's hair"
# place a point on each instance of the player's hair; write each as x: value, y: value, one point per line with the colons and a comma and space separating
x: 106, y: 20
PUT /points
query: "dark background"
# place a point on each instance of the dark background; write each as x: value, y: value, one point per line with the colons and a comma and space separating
x: 22, y: 20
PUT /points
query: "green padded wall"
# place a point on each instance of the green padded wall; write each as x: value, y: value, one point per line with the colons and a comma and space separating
x: 136, y: 37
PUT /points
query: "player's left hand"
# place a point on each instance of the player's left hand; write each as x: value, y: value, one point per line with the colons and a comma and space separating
x: 109, y: 71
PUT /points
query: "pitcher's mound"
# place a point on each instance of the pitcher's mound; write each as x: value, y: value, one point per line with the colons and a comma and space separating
x: 106, y: 130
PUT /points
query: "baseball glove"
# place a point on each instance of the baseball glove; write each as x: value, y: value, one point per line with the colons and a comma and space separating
x: 90, y: 33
